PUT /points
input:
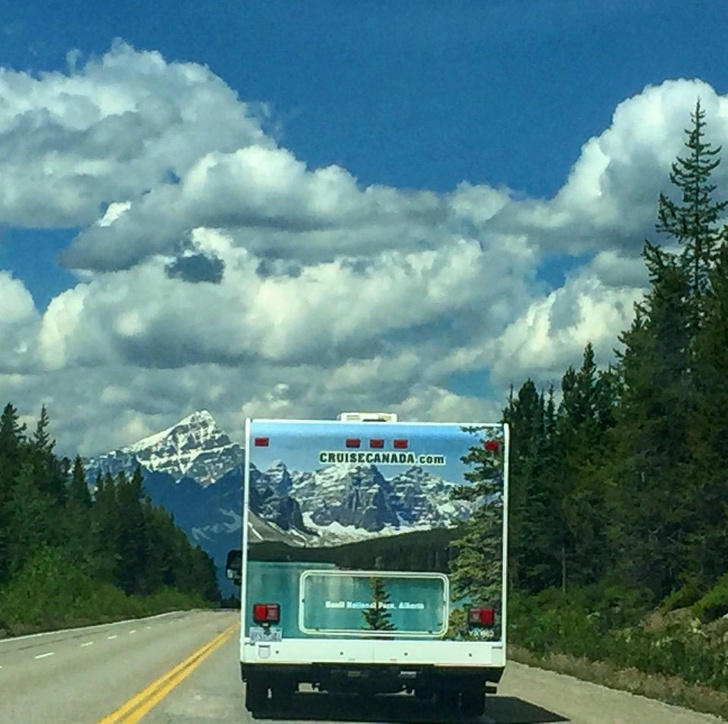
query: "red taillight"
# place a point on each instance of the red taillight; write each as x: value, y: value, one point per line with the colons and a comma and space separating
x: 266, y: 613
x: 399, y: 444
x: 376, y: 443
x: 481, y: 617
x: 353, y: 442
x: 491, y: 445
x: 261, y: 442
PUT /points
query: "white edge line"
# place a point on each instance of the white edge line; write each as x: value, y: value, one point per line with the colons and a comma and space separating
x: 89, y: 628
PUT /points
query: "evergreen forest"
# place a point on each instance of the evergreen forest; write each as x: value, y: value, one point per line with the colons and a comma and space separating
x: 68, y: 557
x: 618, y: 500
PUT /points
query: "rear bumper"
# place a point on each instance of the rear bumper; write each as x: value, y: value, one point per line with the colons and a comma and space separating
x: 415, y: 675
x: 364, y: 652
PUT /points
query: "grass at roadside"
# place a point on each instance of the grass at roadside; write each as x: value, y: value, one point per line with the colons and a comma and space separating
x: 676, y: 652
x: 51, y: 593
x: 669, y: 689
x: 141, y: 608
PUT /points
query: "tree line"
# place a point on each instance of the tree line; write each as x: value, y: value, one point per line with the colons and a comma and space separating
x: 618, y: 501
x: 625, y: 480
x: 113, y: 538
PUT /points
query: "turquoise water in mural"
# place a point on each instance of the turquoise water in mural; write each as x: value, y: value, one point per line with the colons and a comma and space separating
x: 277, y: 583
x: 319, y: 599
x: 347, y: 602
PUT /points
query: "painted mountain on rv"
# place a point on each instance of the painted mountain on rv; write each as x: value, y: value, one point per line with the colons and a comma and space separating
x: 194, y: 470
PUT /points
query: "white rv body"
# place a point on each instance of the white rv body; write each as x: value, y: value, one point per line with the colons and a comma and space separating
x: 344, y: 523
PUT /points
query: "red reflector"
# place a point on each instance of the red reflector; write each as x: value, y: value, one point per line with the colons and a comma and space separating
x: 261, y: 442
x: 353, y: 442
x: 491, y: 445
x: 399, y: 444
x: 376, y: 443
x: 481, y: 617
x: 266, y: 612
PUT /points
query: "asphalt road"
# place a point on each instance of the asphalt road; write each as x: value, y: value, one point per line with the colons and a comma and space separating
x: 183, y: 668
x: 81, y: 675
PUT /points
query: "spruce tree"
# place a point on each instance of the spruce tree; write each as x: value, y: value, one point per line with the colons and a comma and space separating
x: 584, y: 417
x: 693, y: 222
x: 663, y: 453
x: 708, y: 537
x: 78, y: 491
x: 377, y: 616
x: 105, y: 525
x: 77, y: 519
x: 50, y: 471
x: 12, y: 442
x: 33, y: 524
x: 11, y: 448
x: 650, y: 451
x: 131, y: 541
x: 476, y: 570
x: 159, y: 556
x: 536, y: 522
x: 42, y: 441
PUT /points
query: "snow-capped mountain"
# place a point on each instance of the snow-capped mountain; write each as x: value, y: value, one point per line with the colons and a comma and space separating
x: 344, y: 503
x: 271, y: 502
x: 193, y: 448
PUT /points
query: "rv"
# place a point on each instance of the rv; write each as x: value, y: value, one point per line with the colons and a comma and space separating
x: 373, y: 559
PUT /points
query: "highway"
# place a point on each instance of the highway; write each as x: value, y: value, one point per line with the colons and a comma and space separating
x: 183, y: 668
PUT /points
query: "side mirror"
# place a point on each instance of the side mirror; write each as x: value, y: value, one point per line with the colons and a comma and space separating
x: 234, y: 566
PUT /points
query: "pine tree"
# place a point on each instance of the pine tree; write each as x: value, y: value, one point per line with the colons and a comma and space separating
x: 32, y: 523
x: 159, y: 569
x: 78, y: 491
x: 649, y: 448
x: 42, y: 441
x: 708, y: 536
x: 12, y: 445
x: 77, y: 519
x: 131, y: 540
x: 50, y: 471
x: 693, y: 223
x: 11, y: 450
x: 584, y: 416
x: 105, y: 525
x: 377, y: 617
x: 663, y: 453
x: 476, y: 570
x: 48, y: 515
x: 205, y: 575
x: 535, y: 518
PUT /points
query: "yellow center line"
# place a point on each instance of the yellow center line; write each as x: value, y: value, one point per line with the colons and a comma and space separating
x: 140, y: 704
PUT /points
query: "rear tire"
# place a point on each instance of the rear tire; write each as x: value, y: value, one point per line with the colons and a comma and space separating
x: 472, y: 702
x: 446, y: 695
x: 282, y: 695
x: 256, y: 695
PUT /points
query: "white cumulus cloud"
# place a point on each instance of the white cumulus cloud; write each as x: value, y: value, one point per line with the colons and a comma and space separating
x: 217, y: 270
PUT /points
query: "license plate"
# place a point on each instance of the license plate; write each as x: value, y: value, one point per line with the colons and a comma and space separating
x: 258, y: 633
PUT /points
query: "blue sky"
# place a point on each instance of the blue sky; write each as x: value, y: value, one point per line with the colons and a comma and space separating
x: 290, y: 209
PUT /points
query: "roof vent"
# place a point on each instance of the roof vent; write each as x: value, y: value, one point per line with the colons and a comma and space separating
x: 367, y: 417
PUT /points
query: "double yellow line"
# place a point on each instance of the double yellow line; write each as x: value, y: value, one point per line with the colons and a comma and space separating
x: 140, y: 704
